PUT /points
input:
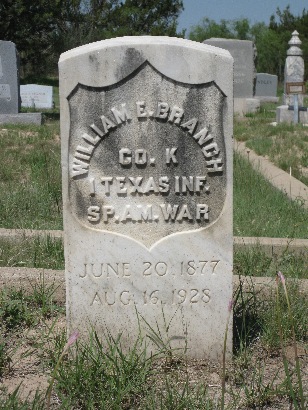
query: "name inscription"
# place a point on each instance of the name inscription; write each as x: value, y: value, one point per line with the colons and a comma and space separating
x: 122, y: 186
x: 147, y: 165
x: 162, y: 112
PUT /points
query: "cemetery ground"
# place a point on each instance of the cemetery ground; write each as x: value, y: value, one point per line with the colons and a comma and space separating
x: 263, y: 373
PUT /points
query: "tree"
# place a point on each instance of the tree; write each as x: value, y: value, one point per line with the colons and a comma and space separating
x: 271, y: 40
x: 242, y: 29
x: 43, y: 29
x: 270, y: 49
x: 239, y: 29
x: 28, y: 24
x: 148, y: 17
x: 209, y: 28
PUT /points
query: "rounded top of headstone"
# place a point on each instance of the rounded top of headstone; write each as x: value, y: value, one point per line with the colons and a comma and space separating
x: 295, y: 42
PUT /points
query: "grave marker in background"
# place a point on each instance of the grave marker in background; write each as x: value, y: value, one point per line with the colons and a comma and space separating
x: 244, y: 54
x: 266, y: 87
x: 9, y: 78
x: 38, y: 96
x: 294, y: 85
x: 9, y: 88
x: 294, y: 69
x: 146, y: 130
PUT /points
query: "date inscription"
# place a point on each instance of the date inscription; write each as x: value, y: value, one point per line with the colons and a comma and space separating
x: 150, y: 269
x: 155, y: 297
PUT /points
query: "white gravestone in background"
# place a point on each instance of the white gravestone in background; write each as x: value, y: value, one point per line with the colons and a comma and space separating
x: 146, y: 130
x: 38, y: 96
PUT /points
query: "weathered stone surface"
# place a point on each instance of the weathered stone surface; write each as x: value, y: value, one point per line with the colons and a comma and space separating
x: 266, y: 85
x: 9, y: 78
x: 38, y: 96
x: 244, y: 54
x: 146, y: 130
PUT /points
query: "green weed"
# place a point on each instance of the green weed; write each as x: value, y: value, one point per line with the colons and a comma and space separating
x: 14, y: 309
x: 30, y: 177
x: 254, y: 261
x: 13, y: 402
x: 100, y: 377
x: 39, y: 252
x: 271, y: 328
x: 286, y: 145
x: 292, y: 322
x: 178, y: 394
x: 260, y: 210
x: 41, y: 297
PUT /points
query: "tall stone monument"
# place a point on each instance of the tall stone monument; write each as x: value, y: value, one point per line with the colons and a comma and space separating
x: 294, y: 69
x: 294, y: 86
x: 9, y: 88
x: 146, y: 131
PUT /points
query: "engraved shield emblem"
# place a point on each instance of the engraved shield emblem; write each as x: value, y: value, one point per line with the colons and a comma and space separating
x: 147, y: 156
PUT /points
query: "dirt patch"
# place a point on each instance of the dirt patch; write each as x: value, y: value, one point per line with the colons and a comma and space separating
x: 27, y: 366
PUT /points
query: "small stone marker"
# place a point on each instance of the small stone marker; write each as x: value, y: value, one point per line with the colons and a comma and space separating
x: 38, y: 96
x: 146, y: 130
x: 266, y: 87
x: 9, y: 78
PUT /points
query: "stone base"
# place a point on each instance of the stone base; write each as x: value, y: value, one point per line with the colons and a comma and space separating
x: 283, y: 114
x: 244, y: 105
x: 264, y: 99
x: 22, y: 118
x: 288, y: 99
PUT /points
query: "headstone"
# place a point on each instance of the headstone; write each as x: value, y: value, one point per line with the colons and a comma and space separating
x: 244, y: 54
x: 294, y: 69
x: 266, y: 87
x: 146, y: 132
x: 38, y: 96
x: 9, y: 78
x: 9, y: 88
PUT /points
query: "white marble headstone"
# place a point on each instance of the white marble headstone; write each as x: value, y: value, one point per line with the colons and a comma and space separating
x: 37, y: 96
x: 146, y: 130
